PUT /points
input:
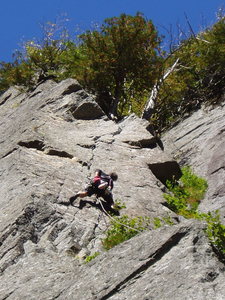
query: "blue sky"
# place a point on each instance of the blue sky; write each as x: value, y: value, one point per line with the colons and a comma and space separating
x: 20, y: 19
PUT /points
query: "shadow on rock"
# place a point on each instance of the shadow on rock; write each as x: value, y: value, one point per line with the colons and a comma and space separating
x: 103, y: 206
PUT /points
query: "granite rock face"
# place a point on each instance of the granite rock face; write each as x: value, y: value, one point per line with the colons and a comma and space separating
x: 51, y: 141
x: 199, y: 141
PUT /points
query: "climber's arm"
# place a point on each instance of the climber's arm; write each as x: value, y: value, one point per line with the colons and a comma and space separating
x: 103, y: 185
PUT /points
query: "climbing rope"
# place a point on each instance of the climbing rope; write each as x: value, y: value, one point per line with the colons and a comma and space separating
x: 115, y: 220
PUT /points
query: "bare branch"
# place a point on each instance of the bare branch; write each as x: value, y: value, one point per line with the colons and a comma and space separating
x: 149, y: 107
x: 202, y: 40
x: 189, y: 25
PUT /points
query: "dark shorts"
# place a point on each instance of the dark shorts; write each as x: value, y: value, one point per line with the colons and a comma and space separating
x: 91, y: 190
x: 107, y: 196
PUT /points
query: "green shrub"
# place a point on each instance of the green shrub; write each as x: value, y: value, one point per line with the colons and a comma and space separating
x: 168, y: 220
x: 216, y: 231
x: 123, y: 228
x: 184, y: 199
x: 159, y: 222
x: 185, y: 196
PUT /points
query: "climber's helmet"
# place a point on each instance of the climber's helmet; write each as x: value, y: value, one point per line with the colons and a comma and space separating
x: 114, y: 176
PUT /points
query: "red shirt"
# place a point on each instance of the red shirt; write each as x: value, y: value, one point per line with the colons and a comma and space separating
x: 97, y: 180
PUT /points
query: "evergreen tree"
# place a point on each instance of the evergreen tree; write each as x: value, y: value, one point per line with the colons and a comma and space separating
x: 122, y: 58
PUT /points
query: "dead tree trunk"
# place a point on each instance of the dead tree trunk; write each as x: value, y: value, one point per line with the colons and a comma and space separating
x: 113, y: 111
x: 149, y: 107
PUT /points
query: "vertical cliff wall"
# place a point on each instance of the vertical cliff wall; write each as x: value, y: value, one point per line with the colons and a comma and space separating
x: 52, y: 140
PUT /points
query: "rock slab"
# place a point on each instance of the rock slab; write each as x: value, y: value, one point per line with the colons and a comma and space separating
x: 52, y: 140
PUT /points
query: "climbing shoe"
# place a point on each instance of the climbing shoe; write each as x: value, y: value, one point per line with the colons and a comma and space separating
x: 82, y: 204
x: 64, y: 203
x: 73, y: 198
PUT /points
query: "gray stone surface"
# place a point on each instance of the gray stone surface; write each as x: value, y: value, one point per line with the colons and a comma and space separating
x: 169, y: 263
x: 52, y: 140
x: 199, y: 141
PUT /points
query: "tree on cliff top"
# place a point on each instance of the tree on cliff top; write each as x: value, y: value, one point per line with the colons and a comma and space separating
x: 199, y: 77
x: 122, y: 59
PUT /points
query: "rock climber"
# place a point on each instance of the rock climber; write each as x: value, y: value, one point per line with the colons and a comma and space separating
x: 101, y: 185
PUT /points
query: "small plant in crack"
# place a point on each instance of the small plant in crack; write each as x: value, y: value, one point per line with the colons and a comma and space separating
x: 91, y: 257
x: 216, y: 232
